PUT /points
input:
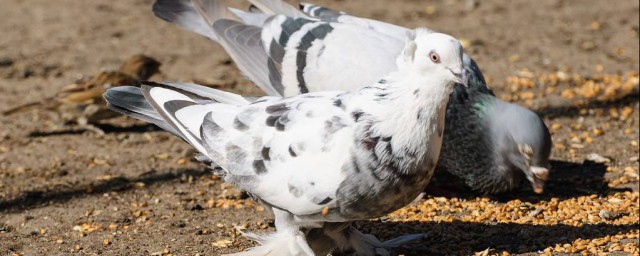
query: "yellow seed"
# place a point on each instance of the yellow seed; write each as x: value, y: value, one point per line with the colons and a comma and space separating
x: 430, y: 10
x: 597, y: 132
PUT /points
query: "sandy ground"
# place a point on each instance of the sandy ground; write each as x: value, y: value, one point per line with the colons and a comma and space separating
x: 136, y: 191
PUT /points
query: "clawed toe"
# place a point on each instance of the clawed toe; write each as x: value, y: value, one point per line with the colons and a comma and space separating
x: 367, y: 244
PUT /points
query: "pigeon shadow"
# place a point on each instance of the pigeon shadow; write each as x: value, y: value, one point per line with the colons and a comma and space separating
x: 106, y: 128
x: 35, y: 134
x: 138, y: 128
x: 566, y: 180
x: 564, y: 111
x: 466, y: 238
x: 39, y: 198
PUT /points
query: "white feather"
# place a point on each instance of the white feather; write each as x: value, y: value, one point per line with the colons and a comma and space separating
x: 158, y: 97
x: 207, y: 92
x: 250, y: 18
x: 332, y: 61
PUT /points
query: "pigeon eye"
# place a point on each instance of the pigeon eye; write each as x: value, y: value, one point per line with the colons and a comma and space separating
x: 434, y: 57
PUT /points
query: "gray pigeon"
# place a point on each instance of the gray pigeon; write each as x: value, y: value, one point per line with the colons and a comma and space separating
x: 491, y: 144
x: 319, y: 160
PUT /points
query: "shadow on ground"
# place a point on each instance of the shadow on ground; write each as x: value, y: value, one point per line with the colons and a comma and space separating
x: 106, y: 128
x: 567, y: 180
x: 34, y: 199
x: 469, y: 237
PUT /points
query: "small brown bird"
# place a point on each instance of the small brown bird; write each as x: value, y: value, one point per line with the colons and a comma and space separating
x: 82, y: 102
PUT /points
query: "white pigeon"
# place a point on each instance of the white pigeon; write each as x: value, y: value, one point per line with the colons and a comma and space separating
x: 491, y: 144
x: 320, y: 160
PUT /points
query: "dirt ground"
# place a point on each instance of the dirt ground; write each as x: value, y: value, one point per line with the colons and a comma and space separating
x: 136, y: 191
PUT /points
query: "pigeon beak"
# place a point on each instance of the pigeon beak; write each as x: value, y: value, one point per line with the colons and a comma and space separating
x: 540, y: 175
x: 460, y: 76
x: 538, y: 187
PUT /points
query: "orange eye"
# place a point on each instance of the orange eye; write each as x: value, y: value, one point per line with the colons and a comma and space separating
x: 434, y: 57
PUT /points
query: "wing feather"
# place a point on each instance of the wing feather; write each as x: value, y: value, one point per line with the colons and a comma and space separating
x: 195, y: 15
x: 276, y: 149
x: 167, y: 103
x: 243, y: 44
x: 275, y: 7
x: 128, y: 100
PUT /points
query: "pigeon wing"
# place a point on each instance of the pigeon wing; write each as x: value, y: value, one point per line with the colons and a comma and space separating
x: 329, y: 15
x: 287, y: 152
x: 289, y: 56
x: 243, y: 43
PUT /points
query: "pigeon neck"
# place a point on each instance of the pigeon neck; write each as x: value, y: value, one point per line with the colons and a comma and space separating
x: 410, y: 108
x: 483, y: 105
x: 410, y: 97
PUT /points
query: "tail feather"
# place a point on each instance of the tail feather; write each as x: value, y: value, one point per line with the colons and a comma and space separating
x: 182, y: 109
x: 164, y: 107
x: 168, y: 103
x: 128, y: 100
x: 195, y: 15
x: 202, y: 93
x: 192, y: 119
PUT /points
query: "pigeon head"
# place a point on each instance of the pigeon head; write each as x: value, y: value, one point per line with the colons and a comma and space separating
x: 529, y: 142
x: 435, y: 54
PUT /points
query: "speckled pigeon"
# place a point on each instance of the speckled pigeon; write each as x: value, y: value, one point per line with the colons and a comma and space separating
x: 319, y: 160
x: 491, y: 144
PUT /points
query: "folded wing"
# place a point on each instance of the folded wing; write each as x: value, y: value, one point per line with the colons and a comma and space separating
x: 276, y: 149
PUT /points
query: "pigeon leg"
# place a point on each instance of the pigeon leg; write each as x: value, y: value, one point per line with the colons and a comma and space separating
x: 289, y: 239
x: 284, y: 222
x: 347, y: 238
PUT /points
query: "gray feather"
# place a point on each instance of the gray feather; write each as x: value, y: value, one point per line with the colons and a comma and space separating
x: 195, y: 15
x: 251, y: 18
x: 243, y: 44
x: 128, y: 100
x: 487, y: 165
x: 322, y: 13
x: 275, y: 7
